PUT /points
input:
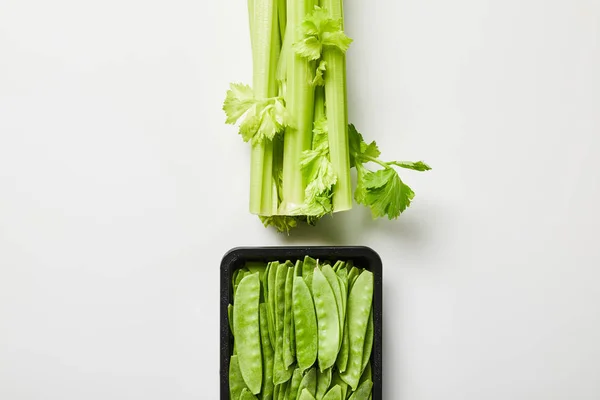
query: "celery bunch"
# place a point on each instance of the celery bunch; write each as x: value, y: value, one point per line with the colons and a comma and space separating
x: 295, y: 117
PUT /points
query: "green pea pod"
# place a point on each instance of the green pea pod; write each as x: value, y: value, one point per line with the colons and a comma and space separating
x: 264, y: 283
x: 247, y: 395
x: 367, y: 374
x: 327, y: 321
x: 338, y: 265
x: 359, y: 308
x: 305, y: 322
x: 336, y: 380
x: 342, y: 275
x: 247, y: 331
x: 230, y: 317
x: 276, y: 391
x: 335, y: 393
x: 334, y: 282
x: 267, y: 353
x: 363, y: 392
x: 234, y: 280
x: 284, y: 391
x: 289, y: 353
x: 241, y: 274
x: 256, y: 266
x: 281, y: 373
x: 368, y: 346
x: 236, y: 381
x: 352, y: 275
x: 271, y: 279
x: 323, y: 382
x: 305, y: 395
x: 309, y: 383
x: 295, y: 384
x: 342, y: 358
x: 308, y: 268
x: 298, y: 268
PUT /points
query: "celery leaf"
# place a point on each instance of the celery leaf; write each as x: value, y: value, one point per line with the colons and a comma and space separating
x: 385, y: 193
x: 319, y: 30
x: 414, y: 165
x: 262, y: 119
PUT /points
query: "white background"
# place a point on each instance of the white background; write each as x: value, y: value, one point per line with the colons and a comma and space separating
x: 121, y: 188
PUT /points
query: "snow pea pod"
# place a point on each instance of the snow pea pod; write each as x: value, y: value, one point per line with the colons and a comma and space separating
x: 308, y: 268
x: 335, y: 393
x: 289, y: 353
x: 323, y: 382
x: 281, y: 373
x: 367, y: 374
x: 305, y: 395
x: 363, y: 392
x: 236, y: 381
x: 267, y: 352
x: 368, y: 346
x: 295, y: 384
x: 305, y: 322
x: 271, y: 283
x: 308, y: 383
x: 256, y: 266
x: 283, y: 391
x: 247, y: 331
x: 327, y: 321
x: 359, y: 308
x: 352, y: 275
x: 336, y: 380
x: 342, y: 358
x: 334, y: 282
x: 230, y: 317
x: 247, y: 395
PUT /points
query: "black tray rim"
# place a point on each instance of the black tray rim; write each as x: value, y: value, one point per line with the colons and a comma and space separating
x: 237, y: 255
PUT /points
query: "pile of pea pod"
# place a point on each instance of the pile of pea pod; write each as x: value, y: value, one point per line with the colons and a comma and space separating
x: 301, y: 331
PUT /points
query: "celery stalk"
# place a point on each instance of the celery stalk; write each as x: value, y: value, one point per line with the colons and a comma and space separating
x: 337, y: 115
x: 282, y: 11
x: 300, y: 103
x: 265, y: 45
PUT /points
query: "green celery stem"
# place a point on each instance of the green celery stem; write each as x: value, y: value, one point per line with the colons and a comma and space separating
x: 281, y: 9
x: 337, y: 115
x: 300, y: 103
x: 264, y: 23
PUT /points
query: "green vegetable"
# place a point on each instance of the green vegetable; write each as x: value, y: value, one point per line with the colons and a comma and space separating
x: 289, y: 350
x: 309, y: 383
x: 359, y: 309
x: 247, y: 395
x: 306, y: 325
x: 306, y: 395
x: 295, y: 118
x: 363, y: 392
x: 291, y: 343
x: 327, y: 321
x: 267, y: 353
x: 281, y: 372
x: 335, y: 393
x: 323, y: 382
x: 236, y: 381
x: 247, y: 331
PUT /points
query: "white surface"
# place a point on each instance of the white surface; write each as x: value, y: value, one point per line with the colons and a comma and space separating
x: 121, y: 188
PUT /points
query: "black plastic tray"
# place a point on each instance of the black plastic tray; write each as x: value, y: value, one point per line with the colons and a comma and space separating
x: 363, y: 257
